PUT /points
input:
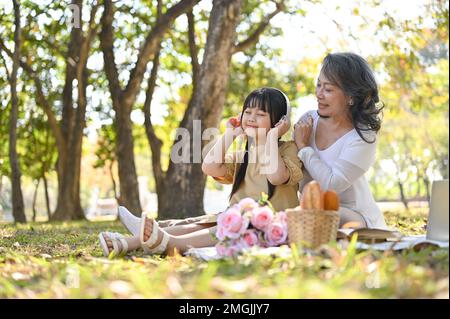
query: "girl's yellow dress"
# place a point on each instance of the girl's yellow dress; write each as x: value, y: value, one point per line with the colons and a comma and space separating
x: 254, y: 184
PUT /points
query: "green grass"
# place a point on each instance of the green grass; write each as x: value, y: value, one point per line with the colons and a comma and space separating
x: 64, y: 260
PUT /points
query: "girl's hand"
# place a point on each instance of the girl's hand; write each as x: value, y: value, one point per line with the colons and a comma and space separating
x: 282, y: 126
x: 234, y: 123
x: 302, y: 132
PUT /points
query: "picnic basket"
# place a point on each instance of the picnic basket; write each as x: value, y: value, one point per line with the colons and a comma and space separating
x: 312, y: 227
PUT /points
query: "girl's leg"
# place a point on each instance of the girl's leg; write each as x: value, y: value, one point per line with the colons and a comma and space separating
x: 184, y: 229
x: 189, y: 235
x: 171, y: 226
x: 199, y: 238
x: 350, y: 219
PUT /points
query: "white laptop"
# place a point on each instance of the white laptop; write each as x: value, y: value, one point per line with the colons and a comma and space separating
x: 437, y: 226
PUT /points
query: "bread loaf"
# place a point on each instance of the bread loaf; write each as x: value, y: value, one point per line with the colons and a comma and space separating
x: 312, y: 196
x: 331, y: 200
x: 316, y: 195
x: 306, y: 201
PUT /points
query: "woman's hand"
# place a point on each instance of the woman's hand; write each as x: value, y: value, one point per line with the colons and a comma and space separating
x: 281, y: 127
x: 302, y: 132
x: 234, y: 124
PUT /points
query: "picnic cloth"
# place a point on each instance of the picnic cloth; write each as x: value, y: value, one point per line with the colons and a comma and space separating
x: 407, y: 242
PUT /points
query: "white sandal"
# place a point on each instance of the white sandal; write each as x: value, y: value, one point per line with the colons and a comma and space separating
x: 115, y: 238
x: 130, y: 221
x: 148, y: 245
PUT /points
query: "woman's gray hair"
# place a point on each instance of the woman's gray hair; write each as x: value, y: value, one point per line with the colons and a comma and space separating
x: 353, y: 75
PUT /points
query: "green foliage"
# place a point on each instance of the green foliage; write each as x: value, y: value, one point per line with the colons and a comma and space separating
x: 412, y: 68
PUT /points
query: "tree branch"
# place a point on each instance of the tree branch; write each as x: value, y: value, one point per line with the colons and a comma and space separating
x: 71, y: 59
x: 107, y: 45
x: 87, y: 41
x: 40, y: 99
x: 151, y: 44
x: 154, y: 141
x: 8, y: 77
x: 82, y: 60
x: 254, y: 37
x: 193, y: 49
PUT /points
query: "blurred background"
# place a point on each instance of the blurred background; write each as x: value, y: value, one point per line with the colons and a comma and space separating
x: 92, y: 93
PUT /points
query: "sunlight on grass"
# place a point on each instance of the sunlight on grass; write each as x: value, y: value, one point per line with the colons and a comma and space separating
x: 64, y: 260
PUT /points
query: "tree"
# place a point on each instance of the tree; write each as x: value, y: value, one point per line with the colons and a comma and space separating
x: 39, y: 154
x: 68, y: 132
x: 180, y: 189
x: 123, y: 99
x: 17, y: 197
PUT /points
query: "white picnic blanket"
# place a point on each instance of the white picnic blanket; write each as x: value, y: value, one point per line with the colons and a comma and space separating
x: 210, y: 253
x: 407, y: 242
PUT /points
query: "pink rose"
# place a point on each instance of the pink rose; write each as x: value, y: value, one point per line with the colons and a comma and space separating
x: 281, y: 217
x: 219, y: 233
x: 232, y: 251
x: 231, y: 221
x: 249, y: 238
x: 221, y: 249
x: 276, y: 234
x: 262, y: 217
x: 248, y: 204
x: 227, y: 251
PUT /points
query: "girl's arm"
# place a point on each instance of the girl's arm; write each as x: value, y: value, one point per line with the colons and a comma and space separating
x: 213, y: 163
x: 275, y: 169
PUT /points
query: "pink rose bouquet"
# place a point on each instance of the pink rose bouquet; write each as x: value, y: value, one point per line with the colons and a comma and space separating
x: 250, y: 223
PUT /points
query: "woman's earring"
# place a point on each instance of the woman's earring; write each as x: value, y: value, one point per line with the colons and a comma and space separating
x: 350, y: 103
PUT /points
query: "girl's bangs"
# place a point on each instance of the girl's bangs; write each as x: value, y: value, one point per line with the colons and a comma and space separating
x: 258, y: 101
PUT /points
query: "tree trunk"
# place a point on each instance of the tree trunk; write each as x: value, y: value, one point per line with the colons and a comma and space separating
x: 113, y: 180
x: 33, y: 206
x: 129, y: 187
x: 69, y: 161
x: 17, y: 197
x: 419, y: 188
x: 68, y: 206
x: 185, y: 182
x: 402, y: 194
x: 47, y: 200
x: 426, y: 182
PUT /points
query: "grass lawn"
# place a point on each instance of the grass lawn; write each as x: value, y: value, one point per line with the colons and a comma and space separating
x: 64, y: 260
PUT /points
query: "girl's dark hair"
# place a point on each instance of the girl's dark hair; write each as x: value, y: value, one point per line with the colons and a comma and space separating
x: 353, y: 75
x: 269, y: 100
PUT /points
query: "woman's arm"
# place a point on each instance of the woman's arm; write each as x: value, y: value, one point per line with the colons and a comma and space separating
x: 354, y: 161
x: 338, y: 177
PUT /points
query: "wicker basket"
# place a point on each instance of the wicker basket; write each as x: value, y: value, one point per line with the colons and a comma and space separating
x: 312, y: 227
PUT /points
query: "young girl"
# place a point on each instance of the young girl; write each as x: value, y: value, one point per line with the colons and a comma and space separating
x: 267, y: 165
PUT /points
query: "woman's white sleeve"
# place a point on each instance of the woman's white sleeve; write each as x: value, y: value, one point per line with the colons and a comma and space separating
x: 339, y: 176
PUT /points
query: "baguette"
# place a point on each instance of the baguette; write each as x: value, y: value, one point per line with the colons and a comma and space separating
x: 316, y: 195
x: 331, y: 200
x: 306, y: 201
x: 312, y: 196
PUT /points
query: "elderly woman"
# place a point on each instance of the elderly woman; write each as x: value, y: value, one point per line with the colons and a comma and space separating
x: 337, y: 143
